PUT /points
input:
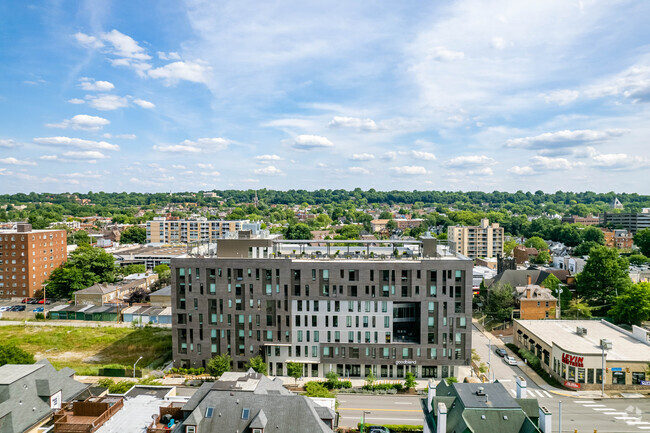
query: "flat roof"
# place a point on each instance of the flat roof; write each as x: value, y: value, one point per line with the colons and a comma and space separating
x: 9, y: 373
x: 563, y: 334
x: 135, y: 415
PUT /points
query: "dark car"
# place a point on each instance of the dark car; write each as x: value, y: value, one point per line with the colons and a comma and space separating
x: 501, y: 352
x: 33, y: 301
x: 20, y: 308
x: 378, y: 429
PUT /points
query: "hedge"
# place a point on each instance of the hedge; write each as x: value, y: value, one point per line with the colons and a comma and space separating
x: 398, y: 427
x: 383, y: 387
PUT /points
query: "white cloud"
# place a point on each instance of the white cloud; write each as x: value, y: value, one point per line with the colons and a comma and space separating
x: 125, y: 46
x: 309, y: 142
x: 178, y: 167
x: 445, y: 55
x: 268, y: 170
x: 13, y: 161
x: 498, y: 43
x: 358, y: 170
x: 88, y: 41
x: 353, y: 122
x: 87, y: 154
x: 7, y: 142
x: 267, y: 158
x: 168, y: 56
x: 144, y: 104
x: 189, y: 71
x: 290, y: 123
x: 470, y: 160
x: 204, y: 166
x: 565, y: 138
x: 483, y: 171
x: 107, y: 102
x: 522, y: 171
x: 616, y: 161
x: 90, y: 85
x: 200, y: 145
x: 390, y: 156
x: 82, y: 121
x: 76, y: 101
x: 409, y: 170
x: 362, y: 157
x: 547, y: 163
x: 48, y: 157
x: 121, y: 136
x: 561, y: 97
x: 427, y: 156
x: 210, y: 173
x: 76, y: 142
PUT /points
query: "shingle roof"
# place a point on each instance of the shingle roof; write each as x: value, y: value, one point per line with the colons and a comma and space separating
x: 519, y: 277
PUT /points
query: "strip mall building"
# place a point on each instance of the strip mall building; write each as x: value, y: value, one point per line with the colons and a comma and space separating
x: 570, y: 351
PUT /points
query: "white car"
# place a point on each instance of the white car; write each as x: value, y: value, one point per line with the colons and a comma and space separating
x: 510, y: 360
x: 5, y: 308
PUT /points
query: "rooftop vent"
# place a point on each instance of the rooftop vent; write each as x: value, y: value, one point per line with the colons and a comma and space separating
x: 581, y: 331
x: 480, y: 391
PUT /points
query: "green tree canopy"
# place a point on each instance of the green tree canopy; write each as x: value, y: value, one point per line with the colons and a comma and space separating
x: 500, y: 302
x: 537, y: 243
x: 633, y: 305
x: 219, y: 364
x: 295, y: 369
x: 542, y: 258
x: 133, y: 269
x: 585, y: 248
x: 298, y: 231
x: 12, y: 354
x: 509, y: 246
x: 134, y: 235
x: 604, y: 275
x: 593, y: 234
x: 638, y: 259
x: 258, y: 365
x: 642, y: 240
x: 86, y: 266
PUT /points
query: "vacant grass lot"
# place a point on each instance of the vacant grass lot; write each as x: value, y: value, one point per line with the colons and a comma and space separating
x: 87, y: 349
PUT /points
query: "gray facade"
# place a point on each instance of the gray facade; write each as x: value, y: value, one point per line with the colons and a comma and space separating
x: 630, y: 221
x: 388, y: 315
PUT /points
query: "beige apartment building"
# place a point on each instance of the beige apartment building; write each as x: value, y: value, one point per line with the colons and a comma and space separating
x: 164, y: 231
x: 485, y: 240
x: 28, y: 257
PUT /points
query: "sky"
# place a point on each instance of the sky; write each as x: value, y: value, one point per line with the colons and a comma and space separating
x: 172, y: 95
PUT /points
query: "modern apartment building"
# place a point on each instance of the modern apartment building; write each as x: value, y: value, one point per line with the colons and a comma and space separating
x: 352, y: 309
x: 485, y: 240
x: 28, y: 257
x: 164, y: 231
x: 630, y: 221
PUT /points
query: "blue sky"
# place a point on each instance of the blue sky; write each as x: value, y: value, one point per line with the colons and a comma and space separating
x: 197, y: 95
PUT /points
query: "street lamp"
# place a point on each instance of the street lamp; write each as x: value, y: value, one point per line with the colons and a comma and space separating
x: 604, y: 345
x: 363, y: 420
x: 135, y: 365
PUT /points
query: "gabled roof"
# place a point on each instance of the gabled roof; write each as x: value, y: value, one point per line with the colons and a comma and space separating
x: 520, y: 277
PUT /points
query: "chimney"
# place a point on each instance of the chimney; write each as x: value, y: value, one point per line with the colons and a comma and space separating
x: 529, y: 292
x: 545, y: 422
x: 530, y: 280
x: 23, y: 228
x: 441, y: 421
x: 521, y: 387
x: 430, y: 394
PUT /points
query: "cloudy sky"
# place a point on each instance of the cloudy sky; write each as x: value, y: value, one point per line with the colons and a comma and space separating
x: 195, y: 95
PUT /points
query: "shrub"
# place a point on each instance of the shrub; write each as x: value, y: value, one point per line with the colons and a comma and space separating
x: 399, y: 427
x: 409, y: 382
x: 317, y: 389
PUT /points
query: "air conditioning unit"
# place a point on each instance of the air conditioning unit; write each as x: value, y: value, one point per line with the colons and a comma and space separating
x: 581, y: 331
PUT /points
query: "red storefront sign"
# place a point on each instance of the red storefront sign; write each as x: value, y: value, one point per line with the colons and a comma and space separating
x: 576, y: 361
x: 573, y: 385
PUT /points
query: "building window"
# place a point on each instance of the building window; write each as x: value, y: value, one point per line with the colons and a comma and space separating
x: 618, y: 377
x: 190, y: 429
x: 637, y: 378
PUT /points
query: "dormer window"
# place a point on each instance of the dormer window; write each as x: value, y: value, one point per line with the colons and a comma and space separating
x: 190, y: 429
x: 245, y: 413
x: 258, y: 430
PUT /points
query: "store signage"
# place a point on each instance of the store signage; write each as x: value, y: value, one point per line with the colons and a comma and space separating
x: 406, y: 362
x: 576, y: 361
x: 573, y: 385
x: 617, y: 369
x: 645, y: 382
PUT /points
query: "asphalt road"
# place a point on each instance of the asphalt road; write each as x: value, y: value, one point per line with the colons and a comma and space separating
x: 384, y: 409
x: 615, y: 415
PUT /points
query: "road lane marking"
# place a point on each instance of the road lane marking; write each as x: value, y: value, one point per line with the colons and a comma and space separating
x: 643, y: 427
x: 547, y: 394
x: 594, y: 405
x: 602, y: 408
x: 399, y: 402
x: 635, y: 418
x: 615, y: 413
x: 380, y: 410
x: 637, y: 422
x: 505, y: 380
x: 585, y: 401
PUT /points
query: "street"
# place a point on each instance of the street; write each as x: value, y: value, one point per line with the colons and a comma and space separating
x: 615, y: 415
x: 384, y: 409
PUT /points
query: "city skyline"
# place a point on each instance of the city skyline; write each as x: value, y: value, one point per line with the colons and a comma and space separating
x: 451, y: 96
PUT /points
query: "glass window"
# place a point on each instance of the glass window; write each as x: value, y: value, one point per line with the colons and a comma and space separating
x: 637, y: 378
x: 572, y: 374
x: 581, y: 375
x: 618, y: 377
x: 599, y: 375
x: 590, y: 375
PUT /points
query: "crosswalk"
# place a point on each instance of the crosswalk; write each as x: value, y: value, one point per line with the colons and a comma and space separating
x: 631, y: 416
x: 534, y: 393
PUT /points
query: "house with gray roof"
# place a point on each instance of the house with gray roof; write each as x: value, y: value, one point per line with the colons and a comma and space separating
x: 30, y: 393
x: 252, y: 403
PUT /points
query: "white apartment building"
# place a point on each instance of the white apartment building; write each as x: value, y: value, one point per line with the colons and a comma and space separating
x: 485, y: 240
x: 163, y: 231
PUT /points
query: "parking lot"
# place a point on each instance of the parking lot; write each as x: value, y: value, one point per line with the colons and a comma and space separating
x: 15, y: 305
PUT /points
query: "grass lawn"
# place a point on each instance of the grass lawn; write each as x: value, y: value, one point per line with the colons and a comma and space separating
x: 87, y: 349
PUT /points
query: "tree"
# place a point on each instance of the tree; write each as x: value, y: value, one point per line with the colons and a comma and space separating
x: 409, y: 381
x: 12, y: 354
x: 593, y: 234
x: 139, y: 295
x: 295, y: 369
x: 585, y: 248
x: 509, y: 246
x: 370, y: 379
x: 332, y: 379
x: 638, y: 259
x: 133, y: 269
x: 258, y: 365
x: 537, y: 243
x: 578, y: 308
x: 500, y: 302
x: 633, y: 305
x: 134, y: 235
x: 603, y: 277
x: 86, y: 266
x: 391, y: 226
x: 164, y: 275
x: 80, y: 237
x: 298, y: 231
x: 316, y: 389
x: 642, y: 240
x: 219, y: 364
x: 543, y: 257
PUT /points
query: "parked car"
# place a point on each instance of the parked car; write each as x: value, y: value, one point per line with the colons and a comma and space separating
x: 38, y: 310
x: 33, y: 301
x: 510, y: 360
x: 25, y: 300
x: 501, y: 352
x: 13, y: 308
x: 46, y: 301
x: 20, y: 308
x: 378, y: 429
x: 5, y: 308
